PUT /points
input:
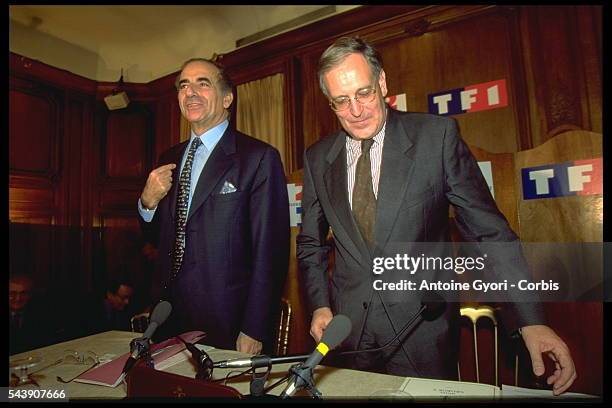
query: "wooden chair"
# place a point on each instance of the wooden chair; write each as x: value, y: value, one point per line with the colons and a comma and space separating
x: 474, y: 314
x: 139, y: 322
x: 282, y: 337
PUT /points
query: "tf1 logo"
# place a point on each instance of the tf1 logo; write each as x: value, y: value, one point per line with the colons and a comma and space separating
x: 473, y: 98
x: 580, y: 177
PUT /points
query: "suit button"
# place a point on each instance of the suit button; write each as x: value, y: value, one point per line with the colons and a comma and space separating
x: 365, y: 305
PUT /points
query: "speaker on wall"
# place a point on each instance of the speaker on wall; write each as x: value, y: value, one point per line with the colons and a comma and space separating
x: 117, y: 101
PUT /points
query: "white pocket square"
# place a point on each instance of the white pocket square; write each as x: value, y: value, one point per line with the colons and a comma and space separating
x: 227, y: 188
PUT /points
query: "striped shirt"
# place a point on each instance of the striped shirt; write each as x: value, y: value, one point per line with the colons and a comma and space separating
x: 353, y: 151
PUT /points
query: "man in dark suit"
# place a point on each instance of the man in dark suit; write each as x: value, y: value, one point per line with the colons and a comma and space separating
x: 31, y: 324
x: 223, y: 223
x: 108, y: 312
x: 388, y: 177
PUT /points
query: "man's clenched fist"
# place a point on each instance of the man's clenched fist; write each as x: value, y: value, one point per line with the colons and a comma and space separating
x: 158, y: 185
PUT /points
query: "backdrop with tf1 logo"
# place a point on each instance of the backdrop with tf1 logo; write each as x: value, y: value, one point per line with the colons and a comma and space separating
x: 471, y: 98
x: 579, y: 177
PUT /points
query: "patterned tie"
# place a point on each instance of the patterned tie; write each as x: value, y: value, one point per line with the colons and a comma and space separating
x: 364, y: 201
x: 181, y: 208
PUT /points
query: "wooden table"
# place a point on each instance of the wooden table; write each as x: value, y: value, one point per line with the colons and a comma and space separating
x: 332, y: 382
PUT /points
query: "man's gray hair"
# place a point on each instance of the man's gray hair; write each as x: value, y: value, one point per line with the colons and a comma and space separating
x: 342, y: 48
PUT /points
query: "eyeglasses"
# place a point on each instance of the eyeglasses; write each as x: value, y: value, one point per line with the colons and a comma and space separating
x: 80, y: 357
x: 363, y: 96
x: 83, y: 358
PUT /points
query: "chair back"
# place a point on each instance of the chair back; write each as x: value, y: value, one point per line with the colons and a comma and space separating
x: 140, y: 322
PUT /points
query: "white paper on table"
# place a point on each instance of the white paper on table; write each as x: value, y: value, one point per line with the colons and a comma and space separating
x: 424, y: 387
x: 511, y: 391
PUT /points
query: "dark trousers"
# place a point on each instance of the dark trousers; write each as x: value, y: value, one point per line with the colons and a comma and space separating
x: 378, y: 330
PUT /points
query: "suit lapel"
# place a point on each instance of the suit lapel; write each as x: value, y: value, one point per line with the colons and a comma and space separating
x: 216, y: 166
x: 176, y: 158
x: 336, y: 184
x: 396, y: 170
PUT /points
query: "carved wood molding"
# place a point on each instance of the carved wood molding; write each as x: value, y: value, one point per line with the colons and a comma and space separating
x: 52, y: 98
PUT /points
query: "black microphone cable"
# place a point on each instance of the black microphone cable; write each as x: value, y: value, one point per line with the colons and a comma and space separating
x: 387, y: 344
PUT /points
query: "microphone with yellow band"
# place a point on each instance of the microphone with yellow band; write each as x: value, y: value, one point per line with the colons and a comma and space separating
x: 336, y: 331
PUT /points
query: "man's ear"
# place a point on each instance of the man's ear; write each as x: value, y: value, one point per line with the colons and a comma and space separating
x: 228, y: 99
x: 382, y: 82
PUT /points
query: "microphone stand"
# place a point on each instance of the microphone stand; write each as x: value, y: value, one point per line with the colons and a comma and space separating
x: 304, y: 380
x: 142, y: 347
x: 203, y: 361
x: 258, y: 380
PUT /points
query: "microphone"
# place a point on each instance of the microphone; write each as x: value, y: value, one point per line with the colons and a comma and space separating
x: 337, y: 330
x: 259, y: 361
x: 140, y: 345
x: 158, y: 317
x: 203, y: 360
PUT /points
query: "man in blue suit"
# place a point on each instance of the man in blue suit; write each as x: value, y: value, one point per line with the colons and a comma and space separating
x: 222, y: 230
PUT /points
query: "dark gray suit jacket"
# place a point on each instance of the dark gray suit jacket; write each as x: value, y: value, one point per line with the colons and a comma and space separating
x: 425, y: 167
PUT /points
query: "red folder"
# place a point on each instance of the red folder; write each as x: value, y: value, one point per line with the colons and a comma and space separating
x: 109, y: 374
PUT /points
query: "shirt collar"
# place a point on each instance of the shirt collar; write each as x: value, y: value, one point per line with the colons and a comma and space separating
x: 211, y: 137
x: 353, y: 146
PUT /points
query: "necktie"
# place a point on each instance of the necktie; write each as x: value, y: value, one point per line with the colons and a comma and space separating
x: 364, y: 201
x: 181, y: 208
x: 15, y: 321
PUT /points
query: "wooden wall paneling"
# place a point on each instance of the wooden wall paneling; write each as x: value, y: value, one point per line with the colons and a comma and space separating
x: 127, y: 144
x: 456, y: 54
x: 563, y: 220
x: 123, y: 149
x: 84, y: 193
x: 293, y: 117
x: 127, y: 140
x: 580, y: 325
x: 45, y: 74
x: 30, y: 248
x: 318, y: 118
x: 295, y: 41
x: 588, y: 42
x: 71, y: 273
x: 35, y: 140
x: 167, y: 126
x: 556, y: 75
x: 120, y: 251
x: 34, y: 145
x: 168, y: 115
x: 519, y: 81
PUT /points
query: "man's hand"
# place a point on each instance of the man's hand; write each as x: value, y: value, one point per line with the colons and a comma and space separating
x: 158, y: 184
x: 542, y: 339
x: 320, y: 319
x: 246, y: 344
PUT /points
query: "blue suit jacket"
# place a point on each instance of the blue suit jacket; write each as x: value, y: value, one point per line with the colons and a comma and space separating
x: 237, y: 244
